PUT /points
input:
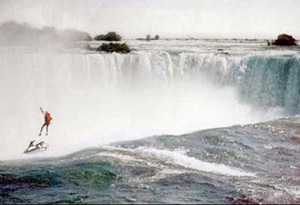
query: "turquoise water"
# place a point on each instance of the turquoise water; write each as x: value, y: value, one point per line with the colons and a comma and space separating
x: 175, y: 121
x: 260, y: 161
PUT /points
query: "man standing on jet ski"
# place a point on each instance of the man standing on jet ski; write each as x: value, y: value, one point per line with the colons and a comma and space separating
x: 48, y: 118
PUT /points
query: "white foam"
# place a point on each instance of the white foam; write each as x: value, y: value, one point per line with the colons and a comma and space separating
x: 192, y: 163
x: 179, y: 158
x: 97, y: 99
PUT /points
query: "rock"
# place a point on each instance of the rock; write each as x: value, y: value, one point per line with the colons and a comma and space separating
x: 285, y: 40
x: 243, y: 199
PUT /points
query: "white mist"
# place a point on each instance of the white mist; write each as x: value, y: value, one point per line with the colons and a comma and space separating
x: 96, y: 99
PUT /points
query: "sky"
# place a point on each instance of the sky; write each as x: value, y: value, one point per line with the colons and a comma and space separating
x: 264, y: 19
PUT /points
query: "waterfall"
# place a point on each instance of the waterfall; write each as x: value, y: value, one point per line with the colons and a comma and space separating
x: 97, y: 98
x: 272, y: 81
x: 267, y: 81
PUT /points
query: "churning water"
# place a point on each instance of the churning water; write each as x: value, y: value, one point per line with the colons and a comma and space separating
x: 186, y: 94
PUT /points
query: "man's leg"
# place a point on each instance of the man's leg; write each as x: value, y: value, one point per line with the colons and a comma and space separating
x: 42, y: 129
x: 47, y: 129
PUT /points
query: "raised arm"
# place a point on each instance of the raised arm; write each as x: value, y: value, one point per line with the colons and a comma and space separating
x: 41, y: 110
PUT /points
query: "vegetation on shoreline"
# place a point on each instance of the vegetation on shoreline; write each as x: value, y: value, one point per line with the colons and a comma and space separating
x: 110, y: 36
x: 114, y: 47
x: 148, y: 38
x: 283, y: 40
x: 13, y: 33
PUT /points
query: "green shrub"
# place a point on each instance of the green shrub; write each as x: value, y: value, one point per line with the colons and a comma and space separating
x: 114, y: 47
x: 110, y: 36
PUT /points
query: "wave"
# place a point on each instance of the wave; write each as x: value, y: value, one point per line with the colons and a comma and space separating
x: 179, y: 157
x: 219, y: 161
